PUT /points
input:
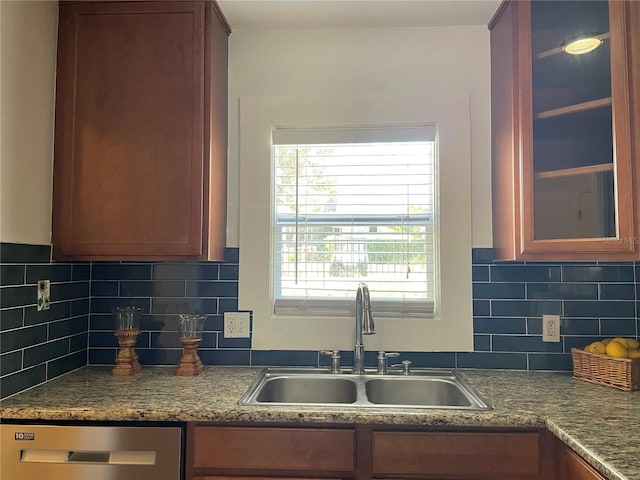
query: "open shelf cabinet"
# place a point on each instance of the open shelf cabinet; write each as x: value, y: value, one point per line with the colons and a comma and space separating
x: 563, y: 150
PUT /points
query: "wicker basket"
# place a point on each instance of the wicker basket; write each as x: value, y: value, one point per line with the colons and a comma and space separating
x: 622, y: 373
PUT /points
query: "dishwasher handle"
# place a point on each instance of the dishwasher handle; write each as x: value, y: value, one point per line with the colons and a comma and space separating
x: 96, y: 457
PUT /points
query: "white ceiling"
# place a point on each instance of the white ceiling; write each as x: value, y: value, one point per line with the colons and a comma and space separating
x: 304, y: 14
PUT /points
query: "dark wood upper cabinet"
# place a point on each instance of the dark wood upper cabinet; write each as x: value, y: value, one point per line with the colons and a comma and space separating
x: 564, y: 151
x: 141, y: 131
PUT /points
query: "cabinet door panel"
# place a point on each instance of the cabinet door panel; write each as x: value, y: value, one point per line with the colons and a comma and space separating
x: 274, y: 448
x: 572, y: 467
x: 218, y: 477
x: 456, y: 453
x: 572, y: 129
x: 130, y: 129
x: 563, y: 149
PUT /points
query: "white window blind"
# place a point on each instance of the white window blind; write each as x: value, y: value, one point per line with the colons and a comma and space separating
x: 354, y: 205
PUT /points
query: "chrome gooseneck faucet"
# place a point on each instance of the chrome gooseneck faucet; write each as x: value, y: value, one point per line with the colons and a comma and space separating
x: 364, y: 326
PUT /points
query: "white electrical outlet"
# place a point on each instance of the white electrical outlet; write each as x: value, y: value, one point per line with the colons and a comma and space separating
x: 44, y: 295
x: 550, y: 328
x: 236, y: 324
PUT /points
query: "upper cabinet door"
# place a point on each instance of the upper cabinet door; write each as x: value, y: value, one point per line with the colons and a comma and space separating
x: 132, y: 158
x: 567, y: 169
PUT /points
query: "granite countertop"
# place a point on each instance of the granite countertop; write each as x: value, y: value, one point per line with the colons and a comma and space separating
x: 600, y: 423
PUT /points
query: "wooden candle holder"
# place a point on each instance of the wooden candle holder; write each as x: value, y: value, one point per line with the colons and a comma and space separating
x: 190, y: 363
x: 127, y: 358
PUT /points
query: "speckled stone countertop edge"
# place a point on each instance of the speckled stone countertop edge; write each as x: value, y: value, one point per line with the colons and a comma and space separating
x: 588, y: 455
x: 571, y: 409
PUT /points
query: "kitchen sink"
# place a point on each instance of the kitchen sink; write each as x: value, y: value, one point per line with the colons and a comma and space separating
x: 307, y: 389
x: 442, y: 389
x: 436, y: 392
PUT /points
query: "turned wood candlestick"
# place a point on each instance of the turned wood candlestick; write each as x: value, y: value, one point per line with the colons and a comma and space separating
x: 190, y: 337
x: 127, y: 358
x: 127, y: 331
x: 190, y: 363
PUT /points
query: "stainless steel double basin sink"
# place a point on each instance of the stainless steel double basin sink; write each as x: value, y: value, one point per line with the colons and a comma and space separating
x: 433, y: 389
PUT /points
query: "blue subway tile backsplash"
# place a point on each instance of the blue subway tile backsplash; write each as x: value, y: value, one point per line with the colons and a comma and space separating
x: 481, y: 343
x: 12, y: 274
x: 525, y: 308
x: 512, y: 361
x: 598, y: 273
x: 617, y: 291
x: 120, y: 271
x: 600, y: 308
x: 594, y: 299
x: 38, y: 346
x: 525, y: 273
x: 497, y: 325
x: 22, y: 253
x: 563, y: 291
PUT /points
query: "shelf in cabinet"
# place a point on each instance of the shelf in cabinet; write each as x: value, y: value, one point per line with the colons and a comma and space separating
x: 570, y: 172
x: 578, y: 107
x: 557, y: 50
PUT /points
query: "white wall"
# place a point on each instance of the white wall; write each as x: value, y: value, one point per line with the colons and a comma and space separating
x: 28, y: 32
x: 366, y: 61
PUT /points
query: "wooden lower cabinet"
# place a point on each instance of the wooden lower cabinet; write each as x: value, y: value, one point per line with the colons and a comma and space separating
x: 363, y: 452
x: 258, y: 452
x: 570, y: 466
x: 573, y: 467
x: 460, y: 455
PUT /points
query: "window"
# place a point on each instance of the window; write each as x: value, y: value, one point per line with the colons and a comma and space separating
x: 360, y: 208
x: 298, y: 236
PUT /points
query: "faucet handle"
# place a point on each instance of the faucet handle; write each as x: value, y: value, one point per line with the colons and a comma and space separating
x: 335, y: 359
x: 406, y: 367
x: 383, y: 354
x: 331, y: 353
x: 382, y: 361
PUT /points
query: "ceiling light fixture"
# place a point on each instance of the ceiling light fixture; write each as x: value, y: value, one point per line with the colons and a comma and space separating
x: 582, y: 45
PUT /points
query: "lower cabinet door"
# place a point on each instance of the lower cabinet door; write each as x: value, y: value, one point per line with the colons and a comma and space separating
x: 211, y: 477
x: 292, y: 449
x: 573, y: 467
x: 459, y: 455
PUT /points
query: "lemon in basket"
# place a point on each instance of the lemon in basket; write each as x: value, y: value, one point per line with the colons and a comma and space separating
x: 633, y: 353
x: 621, y: 341
x: 616, y: 349
x: 596, y: 347
x: 633, y: 343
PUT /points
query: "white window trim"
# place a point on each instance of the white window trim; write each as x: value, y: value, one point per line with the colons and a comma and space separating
x: 452, y: 327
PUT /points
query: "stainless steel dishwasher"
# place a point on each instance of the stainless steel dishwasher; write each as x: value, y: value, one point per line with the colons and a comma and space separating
x: 65, y: 452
